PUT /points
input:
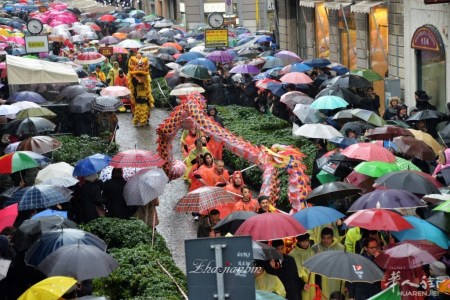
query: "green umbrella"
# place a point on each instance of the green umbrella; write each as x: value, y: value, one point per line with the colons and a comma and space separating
x: 195, y: 71
x: 406, y: 165
x: 263, y: 295
x: 368, y: 116
x: 376, y: 168
x: 329, y: 102
x: 325, y: 177
x: 391, y: 293
x: 35, y: 112
x: 150, y: 17
x: 368, y: 74
x: 31, y: 56
x: 444, y: 206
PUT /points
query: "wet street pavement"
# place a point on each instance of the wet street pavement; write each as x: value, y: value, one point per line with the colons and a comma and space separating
x: 174, y: 227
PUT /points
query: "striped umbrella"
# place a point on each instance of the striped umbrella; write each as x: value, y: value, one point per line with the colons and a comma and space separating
x: 16, y: 161
x: 136, y: 159
x: 203, y: 199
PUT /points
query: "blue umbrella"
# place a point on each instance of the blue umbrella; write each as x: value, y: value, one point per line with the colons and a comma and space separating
x: 338, y: 68
x: 263, y: 39
x: 204, y: 63
x: 91, y: 165
x: 53, y: 239
x: 422, y: 230
x: 317, y: 62
x: 188, y: 56
x: 314, y: 216
x: 50, y: 212
x: 39, y: 196
x: 260, y: 76
x: 18, y: 51
x: 299, y: 67
x: 26, y: 96
x: 274, y: 72
x: 277, y: 88
x: 343, y: 142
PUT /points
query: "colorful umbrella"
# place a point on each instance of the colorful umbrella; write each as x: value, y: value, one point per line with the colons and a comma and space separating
x: 376, y: 168
x: 390, y: 199
x: 403, y: 256
x: 296, y: 78
x: 406, y: 165
x: 16, y: 161
x: 315, y: 216
x: 203, y: 199
x: 39, y: 144
x: 361, y: 181
x: 40, y: 196
x: 91, y: 165
x: 89, y: 58
x: 329, y: 102
x: 368, y: 152
x: 368, y: 74
x: 145, y: 186
x: 107, y: 18
x: 51, y: 288
x: 270, y: 226
x: 8, y: 215
x: 325, y: 177
x: 427, y: 138
x: 378, y: 219
x: 136, y: 159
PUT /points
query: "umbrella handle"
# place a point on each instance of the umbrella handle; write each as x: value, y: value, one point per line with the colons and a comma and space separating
x: 442, y: 140
x: 164, y: 95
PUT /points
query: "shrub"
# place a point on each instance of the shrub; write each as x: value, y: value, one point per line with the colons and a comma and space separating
x: 264, y: 130
x: 163, y: 99
x: 75, y: 148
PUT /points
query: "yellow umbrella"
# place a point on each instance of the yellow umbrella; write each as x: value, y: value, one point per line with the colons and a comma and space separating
x: 51, y: 288
x: 428, y: 139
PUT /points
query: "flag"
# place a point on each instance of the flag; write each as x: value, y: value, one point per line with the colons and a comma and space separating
x: 391, y: 293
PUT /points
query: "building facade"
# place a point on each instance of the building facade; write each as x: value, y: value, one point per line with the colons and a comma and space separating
x: 169, y: 9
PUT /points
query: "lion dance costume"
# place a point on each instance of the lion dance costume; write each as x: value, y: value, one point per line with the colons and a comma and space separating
x: 141, y: 92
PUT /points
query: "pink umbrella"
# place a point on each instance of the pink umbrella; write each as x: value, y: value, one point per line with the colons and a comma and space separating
x: 58, y: 6
x: 16, y: 40
x: 296, y: 78
x: 368, y: 152
x: 115, y: 91
x: 89, y: 58
x: 8, y: 215
x: 288, y: 57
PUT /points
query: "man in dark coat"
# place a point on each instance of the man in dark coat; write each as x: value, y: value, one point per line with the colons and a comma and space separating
x: 216, y: 92
x: 113, y: 196
x: 87, y: 197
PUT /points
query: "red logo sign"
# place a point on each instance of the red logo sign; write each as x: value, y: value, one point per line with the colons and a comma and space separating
x: 427, y: 38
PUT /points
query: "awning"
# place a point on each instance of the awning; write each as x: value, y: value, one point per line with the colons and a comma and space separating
x: 336, y: 5
x: 309, y: 3
x: 364, y: 6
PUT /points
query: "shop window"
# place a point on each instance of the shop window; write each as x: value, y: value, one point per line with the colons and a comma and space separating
x: 322, y: 32
x: 379, y: 30
x: 347, y: 33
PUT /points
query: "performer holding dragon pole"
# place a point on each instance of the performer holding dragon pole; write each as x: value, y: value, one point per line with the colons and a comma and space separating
x: 141, y: 92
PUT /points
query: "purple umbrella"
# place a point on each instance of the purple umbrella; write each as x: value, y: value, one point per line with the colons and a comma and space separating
x: 220, y: 57
x: 245, y: 69
x: 392, y: 199
x: 288, y: 57
x: 26, y: 96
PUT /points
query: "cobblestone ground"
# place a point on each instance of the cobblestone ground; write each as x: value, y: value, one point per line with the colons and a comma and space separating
x: 174, y: 227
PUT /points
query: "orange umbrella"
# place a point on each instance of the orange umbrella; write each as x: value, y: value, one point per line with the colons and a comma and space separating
x: 95, y: 27
x: 119, y: 35
x: 175, y: 45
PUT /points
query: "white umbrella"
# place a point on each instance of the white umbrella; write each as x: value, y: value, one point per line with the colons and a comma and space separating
x: 130, y: 44
x: 316, y: 131
x: 60, y: 169
x: 8, y: 110
x: 25, y: 105
x: 186, y: 88
x: 145, y: 186
x: 127, y: 173
x: 163, y: 23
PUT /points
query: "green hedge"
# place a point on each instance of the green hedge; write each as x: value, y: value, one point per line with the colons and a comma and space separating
x: 75, y: 148
x: 138, y: 275
x: 162, y: 100
x: 262, y: 129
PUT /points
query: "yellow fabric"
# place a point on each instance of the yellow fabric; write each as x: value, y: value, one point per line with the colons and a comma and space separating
x: 138, y: 69
x: 141, y: 112
x: 315, y: 233
x: 270, y: 283
x: 300, y: 255
x: 112, y: 74
x: 50, y: 288
x: 192, y: 155
x: 101, y: 76
x: 352, y: 236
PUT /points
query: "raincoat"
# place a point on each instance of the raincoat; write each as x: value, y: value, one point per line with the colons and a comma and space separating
x: 444, y: 166
x: 270, y: 283
x: 113, y: 73
x: 300, y: 255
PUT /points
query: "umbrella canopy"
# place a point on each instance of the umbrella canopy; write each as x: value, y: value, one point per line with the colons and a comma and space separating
x: 222, y: 57
x: 368, y: 116
x: 61, y: 181
x: 413, y: 147
x: 185, y: 89
x: 274, y: 62
x: 54, y: 239
x: 194, y: 71
x: 8, y: 215
x: 51, y: 213
x: 427, y: 138
x: 203, y: 199
x: 106, y: 173
x: 288, y: 57
x: 79, y: 261
x: 39, y: 144
x: 29, y: 126
x: 16, y: 161
x: 188, y: 56
x: 25, y: 104
x: 390, y: 199
x: 263, y: 251
x: 130, y: 44
x: 405, y: 165
x: 270, y: 226
x: 109, y: 40
x: 333, y: 190
x: 106, y: 104
x: 315, y: 216
x: 245, y: 69
x: 26, y: 96
x: 376, y: 168
x: 145, y: 186
x: 329, y: 102
x: 231, y: 223
x: 343, y: 142
x: 424, y: 115
x: 52, y: 288
x: 423, y: 230
x: 6, y: 109
x: 316, y: 131
x: 136, y: 159
x: 378, y: 219
x: 115, y: 91
x: 359, y: 127
x: 89, y: 58
x: 403, y: 256
x: 40, y: 196
x: 296, y: 78
x: 82, y: 103
x: 349, y: 81
x: 91, y: 165
x: 202, y: 62
x: 61, y: 169
x: 308, y: 115
x: 388, y: 132
x: 361, y: 181
x: 368, y: 74
x: 411, y: 181
x: 344, y: 93
x: 344, y: 266
x: 70, y: 92
x: 368, y: 152
x: 296, y: 67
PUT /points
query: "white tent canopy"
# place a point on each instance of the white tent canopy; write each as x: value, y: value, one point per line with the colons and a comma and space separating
x: 22, y: 70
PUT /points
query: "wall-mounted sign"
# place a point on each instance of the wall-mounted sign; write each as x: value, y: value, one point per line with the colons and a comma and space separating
x: 106, y: 51
x: 216, y: 38
x: 436, y: 1
x: 36, y: 43
x: 427, y: 38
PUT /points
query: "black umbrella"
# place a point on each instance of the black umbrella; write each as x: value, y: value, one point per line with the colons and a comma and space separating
x: 391, y: 199
x: 248, y: 52
x: 31, y: 125
x: 411, y: 181
x: 344, y: 93
x: 440, y: 219
x: 82, y: 103
x: 81, y: 73
x: 168, y: 50
x: 332, y: 191
x: 359, y: 127
x: 30, y: 230
x: 232, y: 222
x: 263, y: 251
x: 70, y: 92
x: 165, y: 56
x: 74, y: 10
x: 345, y: 266
x: 349, y: 81
x: 444, y: 134
x: 79, y: 261
x: 425, y: 115
x: 157, y: 62
x: 337, y: 164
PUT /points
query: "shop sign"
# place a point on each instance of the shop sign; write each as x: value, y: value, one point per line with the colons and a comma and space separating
x: 216, y: 38
x: 427, y: 38
x: 106, y: 51
x: 36, y: 43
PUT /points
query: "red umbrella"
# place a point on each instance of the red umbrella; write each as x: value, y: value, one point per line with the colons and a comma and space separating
x: 171, y: 44
x: 95, y: 27
x: 378, y: 219
x: 262, y: 84
x: 270, y: 226
x: 368, y: 152
x: 296, y: 78
x: 204, y: 198
x: 107, y: 18
x: 8, y: 215
x: 89, y: 58
x: 136, y: 159
x: 364, y: 182
x: 404, y: 256
x: 388, y: 132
